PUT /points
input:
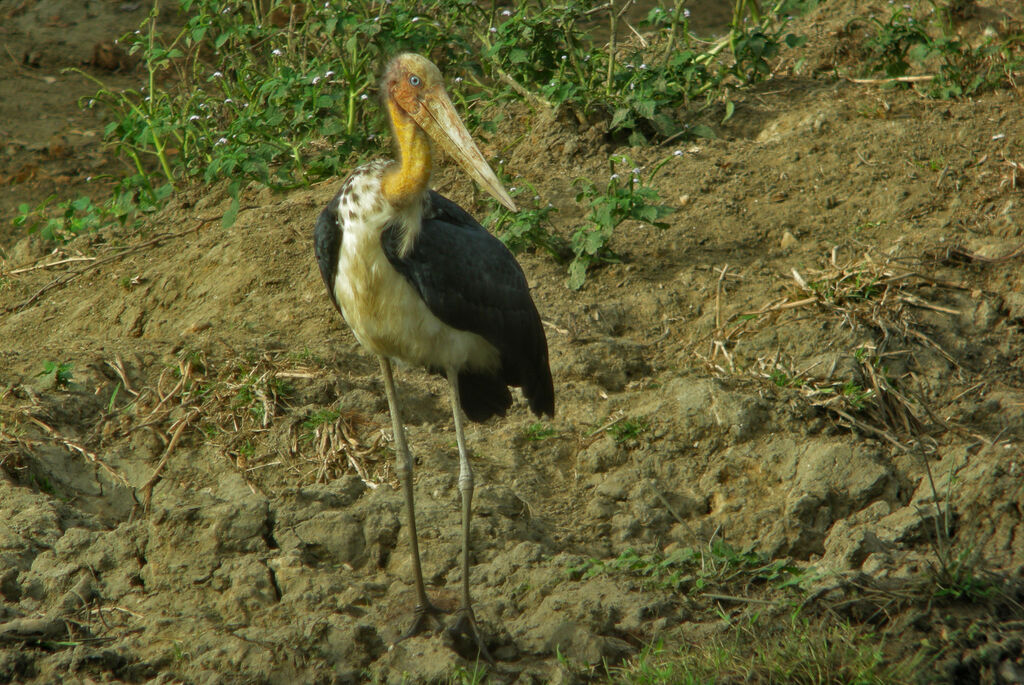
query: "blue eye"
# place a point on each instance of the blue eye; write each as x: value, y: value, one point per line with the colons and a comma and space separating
x: 414, y: 80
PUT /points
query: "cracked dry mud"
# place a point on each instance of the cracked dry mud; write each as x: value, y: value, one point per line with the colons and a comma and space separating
x: 257, y: 562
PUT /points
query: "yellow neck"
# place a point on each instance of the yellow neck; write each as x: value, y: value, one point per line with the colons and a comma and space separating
x: 406, y: 179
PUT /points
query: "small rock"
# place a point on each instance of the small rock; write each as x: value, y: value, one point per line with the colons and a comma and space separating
x: 788, y: 240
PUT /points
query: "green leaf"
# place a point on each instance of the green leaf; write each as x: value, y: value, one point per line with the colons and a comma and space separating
x: 702, y: 131
x: 795, y: 41
x: 645, y: 108
x: 229, y: 216
x: 577, y: 274
x: 920, y: 52
x: 637, y: 139
x: 621, y: 115
x: 730, y: 108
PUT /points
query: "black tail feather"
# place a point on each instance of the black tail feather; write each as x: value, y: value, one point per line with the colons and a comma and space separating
x: 483, y: 396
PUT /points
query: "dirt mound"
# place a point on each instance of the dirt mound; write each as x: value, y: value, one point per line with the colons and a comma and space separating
x: 811, y: 379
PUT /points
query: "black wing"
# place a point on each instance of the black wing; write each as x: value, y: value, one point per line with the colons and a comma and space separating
x: 327, y: 245
x: 470, y: 281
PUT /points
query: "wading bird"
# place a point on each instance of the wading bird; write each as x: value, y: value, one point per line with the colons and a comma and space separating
x: 419, y: 280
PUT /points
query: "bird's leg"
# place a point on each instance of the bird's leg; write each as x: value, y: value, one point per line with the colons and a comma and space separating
x: 466, y: 624
x: 403, y: 466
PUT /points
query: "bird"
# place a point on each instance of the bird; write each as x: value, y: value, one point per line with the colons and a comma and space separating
x: 420, y: 281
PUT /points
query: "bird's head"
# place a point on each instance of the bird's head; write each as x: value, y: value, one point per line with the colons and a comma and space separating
x: 413, y: 87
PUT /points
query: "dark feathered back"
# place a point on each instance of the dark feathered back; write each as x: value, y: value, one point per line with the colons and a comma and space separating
x: 470, y: 281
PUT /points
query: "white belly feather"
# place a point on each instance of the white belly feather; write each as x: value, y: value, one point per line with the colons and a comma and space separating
x: 384, y: 311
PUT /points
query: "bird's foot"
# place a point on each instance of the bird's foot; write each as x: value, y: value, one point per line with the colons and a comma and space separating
x: 466, y: 636
x: 424, y: 614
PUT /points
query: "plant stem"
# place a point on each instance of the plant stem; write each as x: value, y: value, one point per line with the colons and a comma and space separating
x: 613, y: 19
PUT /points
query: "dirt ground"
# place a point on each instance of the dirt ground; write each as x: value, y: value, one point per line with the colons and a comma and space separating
x: 838, y: 241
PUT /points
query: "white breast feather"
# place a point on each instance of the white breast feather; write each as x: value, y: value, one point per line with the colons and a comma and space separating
x: 385, y: 312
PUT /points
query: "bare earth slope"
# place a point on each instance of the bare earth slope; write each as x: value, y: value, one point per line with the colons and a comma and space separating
x: 819, y: 361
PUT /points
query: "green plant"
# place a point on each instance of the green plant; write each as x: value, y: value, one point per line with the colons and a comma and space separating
x: 64, y: 220
x: 539, y: 431
x: 950, y: 66
x: 279, y: 94
x: 754, y: 44
x: 959, y: 577
x: 469, y: 675
x: 619, y: 200
x: 694, y: 569
x: 526, y: 228
x: 627, y: 429
x: 57, y: 374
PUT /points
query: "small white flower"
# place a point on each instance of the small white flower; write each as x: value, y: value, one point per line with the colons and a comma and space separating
x: 632, y: 86
x: 364, y: 96
x: 222, y: 141
x: 88, y: 178
x: 493, y: 30
x: 194, y: 117
x: 678, y: 153
x: 329, y: 74
x: 643, y: 65
x: 614, y: 176
x: 202, y: 105
x: 217, y: 74
x: 316, y: 80
x: 276, y: 52
x: 565, y: 57
x: 512, y: 189
x: 228, y: 101
x: 415, y: 19
x: 225, y: 10
x: 92, y: 102
x: 244, y: 105
x: 536, y: 198
x: 635, y: 171
x: 506, y: 13
x: 686, y: 13
x: 458, y: 79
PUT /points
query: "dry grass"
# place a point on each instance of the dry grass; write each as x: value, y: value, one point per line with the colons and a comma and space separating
x: 228, y: 406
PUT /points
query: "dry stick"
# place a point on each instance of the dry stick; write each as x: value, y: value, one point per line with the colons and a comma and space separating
x: 894, y: 79
x: 612, y: 17
x: 67, y: 278
x: 730, y: 598
x: 47, y: 266
x: 118, y: 366
x: 78, y: 448
x: 536, y: 100
x: 885, y: 435
x: 988, y: 260
x: 174, y: 391
x: 179, y: 429
x: 671, y: 510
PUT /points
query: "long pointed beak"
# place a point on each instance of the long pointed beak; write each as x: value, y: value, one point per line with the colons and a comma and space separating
x: 438, y: 118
